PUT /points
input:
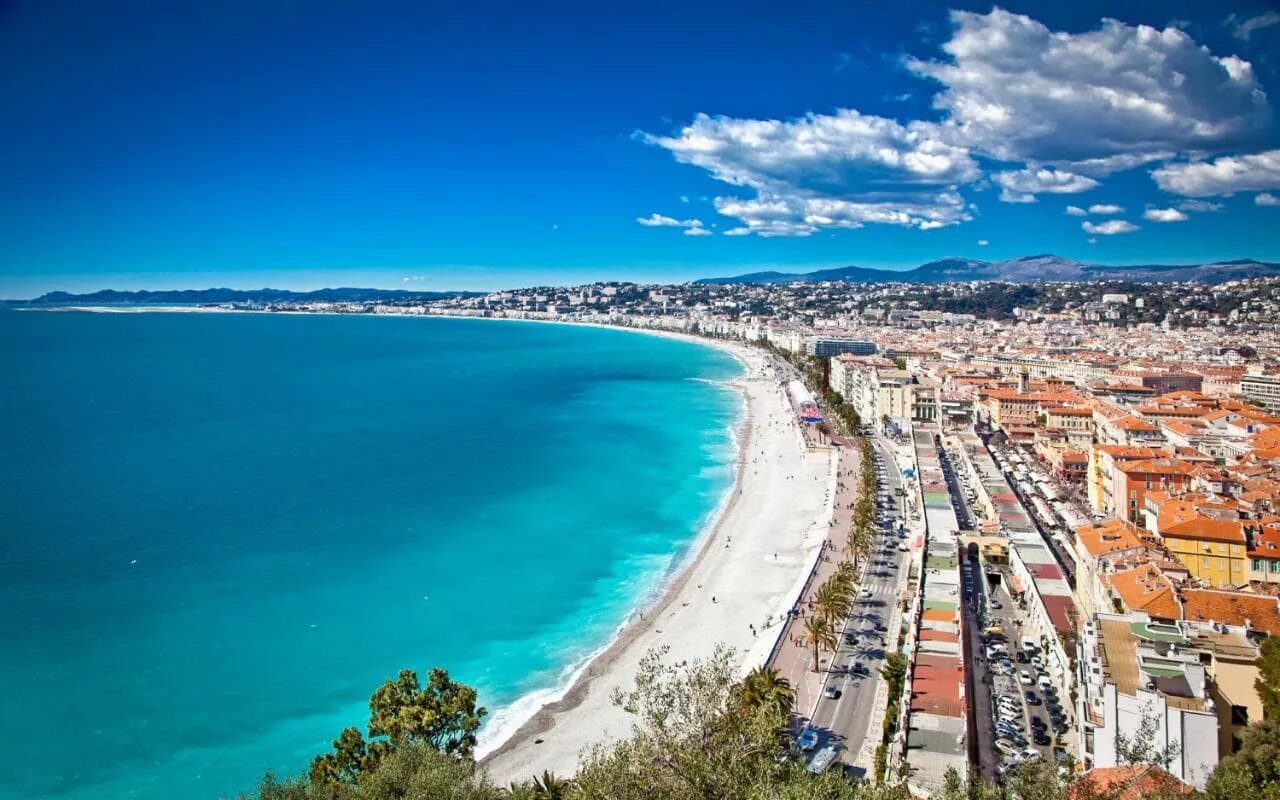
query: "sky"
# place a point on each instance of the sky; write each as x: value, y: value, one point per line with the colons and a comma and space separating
x: 481, y: 145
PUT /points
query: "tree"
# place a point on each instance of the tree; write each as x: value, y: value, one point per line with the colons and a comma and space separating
x: 442, y: 716
x: 1268, y: 682
x: 765, y: 688
x: 549, y: 787
x: 1254, y: 770
x: 833, y: 599
x: 819, y: 633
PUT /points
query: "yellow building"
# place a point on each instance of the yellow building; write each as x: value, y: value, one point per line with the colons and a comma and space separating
x: 1213, y: 550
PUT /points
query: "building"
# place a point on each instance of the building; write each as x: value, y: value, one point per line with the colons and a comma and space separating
x: 1139, y: 678
x: 1213, y: 550
x: 1131, y: 480
x: 1165, y: 382
x: 1263, y: 390
x: 829, y: 347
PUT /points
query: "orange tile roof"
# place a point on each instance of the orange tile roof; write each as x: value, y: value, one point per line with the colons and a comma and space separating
x: 1156, y: 466
x: 1145, y: 588
x: 1262, y: 612
x: 1128, y: 782
x: 1206, y: 529
x: 1108, y: 536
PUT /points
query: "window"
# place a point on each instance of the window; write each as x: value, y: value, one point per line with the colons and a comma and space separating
x: 1239, y: 715
x: 1222, y: 563
x: 1204, y: 563
x: 1258, y: 565
x: 1275, y: 566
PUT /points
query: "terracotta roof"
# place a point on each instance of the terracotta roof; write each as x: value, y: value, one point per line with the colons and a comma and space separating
x: 1233, y: 608
x: 1145, y: 588
x: 1128, y: 782
x: 1156, y: 466
x: 1108, y: 536
x: 1204, y: 528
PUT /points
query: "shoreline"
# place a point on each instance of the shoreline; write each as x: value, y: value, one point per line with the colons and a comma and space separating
x: 573, y: 711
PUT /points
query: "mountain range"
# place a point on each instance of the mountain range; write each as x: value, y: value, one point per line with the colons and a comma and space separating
x: 1024, y: 269
x: 107, y: 297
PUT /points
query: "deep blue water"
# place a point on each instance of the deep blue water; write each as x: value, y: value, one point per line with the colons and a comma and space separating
x: 220, y: 533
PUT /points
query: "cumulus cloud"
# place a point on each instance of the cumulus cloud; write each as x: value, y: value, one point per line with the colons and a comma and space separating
x: 1164, y: 215
x: 1021, y: 186
x: 983, y: 243
x: 1076, y: 211
x: 738, y: 232
x: 1221, y: 176
x: 696, y: 232
x: 828, y: 170
x: 1109, y: 228
x: 1266, y: 199
x: 1096, y: 101
x: 656, y: 220
x: 1243, y: 29
x: 1199, y: 205
x: 1106, y: 208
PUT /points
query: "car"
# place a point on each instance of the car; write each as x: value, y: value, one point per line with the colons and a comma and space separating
x: 830, y: 692
x: 1025, y: 679
x: 858, y: 668
x: 1037, y: 722
x: 1021, y: 657
x: 807, y: 740
x: 1008, y: 748
x: 1030, y: 755
x: 1059, y: 726
x: 882, y: 628
x: 849, y: 638
x: 864, y: 592
x: 1041, y: 738
x: 1032, y: 700
x: 994, y: 603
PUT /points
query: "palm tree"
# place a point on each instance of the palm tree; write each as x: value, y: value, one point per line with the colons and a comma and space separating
x: 549, y: 787
x: 833, y: 598
x: 820, y: 633
x: 859, y: 544
x: 764, y: 687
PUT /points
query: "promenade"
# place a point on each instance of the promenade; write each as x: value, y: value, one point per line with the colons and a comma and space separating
x: 792, y: 658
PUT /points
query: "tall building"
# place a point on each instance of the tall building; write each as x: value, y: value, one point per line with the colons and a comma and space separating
x: 829, y: 347
x: 1264, y: 390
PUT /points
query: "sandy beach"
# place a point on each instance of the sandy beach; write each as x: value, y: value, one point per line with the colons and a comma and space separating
x: 735, y: 590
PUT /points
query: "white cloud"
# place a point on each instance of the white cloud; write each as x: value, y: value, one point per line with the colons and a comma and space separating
x: 738, y: 232
x: 1106, y: 208
x: 656, y: 220
x: 1109, y: 228
x: 983, y: 243
x: 1266, y: 199
x: 1164, y: 215
x: 1243, y: 29
x: 1199, y: 205
x: 1076, y: 211
x: 839, y: 170
x: 1221, y: 176
x: 1096, y: 101
x: 696, y: 232
x: 1021, y: 186
x: 1091, y: 240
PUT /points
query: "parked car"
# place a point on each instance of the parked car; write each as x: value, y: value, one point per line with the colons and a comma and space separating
x: 1008, y: 748
x: 830, y: 692
x: 807, y: 740
x: 1021, y: 657
x: 1024, y: 678
x: 1041, y: 738
x: 1032, y: 700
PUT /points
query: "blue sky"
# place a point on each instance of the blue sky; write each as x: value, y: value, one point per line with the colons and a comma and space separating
x: 478, y: 145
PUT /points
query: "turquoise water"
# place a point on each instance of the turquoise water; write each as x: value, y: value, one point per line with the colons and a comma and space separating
x: 220, y: 533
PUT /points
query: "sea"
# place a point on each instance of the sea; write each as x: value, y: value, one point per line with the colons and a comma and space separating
x: 220, y: 532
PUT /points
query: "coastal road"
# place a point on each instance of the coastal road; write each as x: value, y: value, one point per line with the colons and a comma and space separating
x: 855, y: 667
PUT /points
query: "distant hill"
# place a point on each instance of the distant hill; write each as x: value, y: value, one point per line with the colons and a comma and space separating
x: 112, y: 297
x: 1024, y: 269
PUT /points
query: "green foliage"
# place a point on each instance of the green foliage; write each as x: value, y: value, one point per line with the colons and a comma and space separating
x: 765, y: 688
x: 1253, y: 772
x: 442, y: 716
x: 1268, y: 683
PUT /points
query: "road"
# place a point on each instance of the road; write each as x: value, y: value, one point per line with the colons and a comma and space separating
x: 846, y: 718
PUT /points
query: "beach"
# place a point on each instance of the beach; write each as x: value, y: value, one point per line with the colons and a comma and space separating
x: 734, y: 590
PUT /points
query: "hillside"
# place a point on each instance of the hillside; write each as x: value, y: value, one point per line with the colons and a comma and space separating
x: 221, y: 296
x: 1024, y: 269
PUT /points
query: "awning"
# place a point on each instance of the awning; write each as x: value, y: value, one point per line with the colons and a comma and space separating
x: 1015, y: 585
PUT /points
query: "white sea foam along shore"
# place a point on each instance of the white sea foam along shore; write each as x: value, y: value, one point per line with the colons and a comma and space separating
x: 733, y: 592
